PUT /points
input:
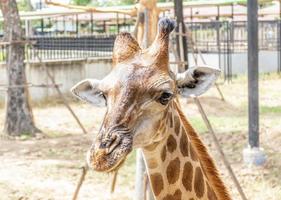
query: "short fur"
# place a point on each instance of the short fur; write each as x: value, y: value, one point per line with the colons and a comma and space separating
x: 206, y: 161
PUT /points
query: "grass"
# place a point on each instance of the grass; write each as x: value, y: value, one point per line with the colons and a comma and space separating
x: 270, y: 110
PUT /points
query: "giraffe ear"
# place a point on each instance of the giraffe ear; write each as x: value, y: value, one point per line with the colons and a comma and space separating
x: 196, y: 80
x: 125, y: 48
x: 88, y: 91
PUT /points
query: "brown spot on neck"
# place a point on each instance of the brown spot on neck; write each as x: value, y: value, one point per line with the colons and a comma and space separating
x: 173, y: 171
x: 175, y: 196
x: 157, y: 183
x: 152, y: 163
x: 187, y: 176
x: 184, y: 144
x: 164, y: 153
x: 199, y: 185
x: 204, y: 157
x: 193, y: 153
x: 177, y: 124
x: 171, y: 143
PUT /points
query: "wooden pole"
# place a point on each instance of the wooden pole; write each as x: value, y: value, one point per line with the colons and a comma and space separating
x: 80, y: 182
x: 113, y: 181
x: 181, y: 40
x: 65, y: 101
x: 61, y: 95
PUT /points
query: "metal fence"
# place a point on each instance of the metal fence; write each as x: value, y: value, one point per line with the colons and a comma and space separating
x: 66, y: 47
x: 75, y: 36
x: 71, y: 47
x: 224, y: 38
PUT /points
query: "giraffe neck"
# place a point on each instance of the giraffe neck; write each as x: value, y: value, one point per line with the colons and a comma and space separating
x: 176, y: 163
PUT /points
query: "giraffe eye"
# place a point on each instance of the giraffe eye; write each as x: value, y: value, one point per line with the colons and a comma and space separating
x: 101, y: 94
x: 165, y: 98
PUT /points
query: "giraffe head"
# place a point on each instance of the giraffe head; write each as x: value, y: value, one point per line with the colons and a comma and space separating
x: 137, y: 94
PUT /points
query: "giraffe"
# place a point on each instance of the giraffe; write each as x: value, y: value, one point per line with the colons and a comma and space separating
x: 143, y: 111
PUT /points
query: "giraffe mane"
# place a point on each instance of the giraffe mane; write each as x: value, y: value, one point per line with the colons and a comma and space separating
x: 206, y: 161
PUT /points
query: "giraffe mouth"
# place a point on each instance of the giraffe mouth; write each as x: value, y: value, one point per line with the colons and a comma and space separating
x: 104, y: 160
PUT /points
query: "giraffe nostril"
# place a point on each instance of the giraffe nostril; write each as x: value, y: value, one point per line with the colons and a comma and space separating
x: 107, y: 142
x: 103, y: 145
x: 113, y: 145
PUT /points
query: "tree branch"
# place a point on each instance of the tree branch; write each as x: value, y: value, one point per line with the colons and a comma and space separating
x: 132, y: 12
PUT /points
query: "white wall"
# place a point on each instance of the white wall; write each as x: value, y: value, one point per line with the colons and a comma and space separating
x: 67, y: 73
x: 70, y: 72
x: 268, y: 61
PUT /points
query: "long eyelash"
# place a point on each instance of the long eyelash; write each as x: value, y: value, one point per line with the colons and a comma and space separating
x: 105, y: 98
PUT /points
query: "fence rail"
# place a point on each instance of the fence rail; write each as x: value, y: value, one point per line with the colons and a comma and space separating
x: 72, y: 47
x: 219, y: 37
x: 224, y: 36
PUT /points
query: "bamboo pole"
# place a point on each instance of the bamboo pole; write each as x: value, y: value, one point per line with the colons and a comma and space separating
x: 80, y: 182
x: 61, y: 95
x: 113, y: 181
x: 65, y: 101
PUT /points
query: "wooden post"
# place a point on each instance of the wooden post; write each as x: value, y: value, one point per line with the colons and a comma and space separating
x: 232, y: 11
x: 92, y: 23
x: 80, y: 182
x: 42, y: 20
x: 77, y: 24
x: 179, y: 15
x: 181, y: 47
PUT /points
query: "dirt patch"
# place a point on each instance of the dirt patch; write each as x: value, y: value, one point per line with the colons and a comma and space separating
x: 50, y: 168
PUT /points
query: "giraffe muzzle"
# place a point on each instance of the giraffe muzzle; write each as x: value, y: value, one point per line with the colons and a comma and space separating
x: 110, y: 154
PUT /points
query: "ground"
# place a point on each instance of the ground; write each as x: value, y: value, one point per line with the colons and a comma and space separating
x: 49, y: 168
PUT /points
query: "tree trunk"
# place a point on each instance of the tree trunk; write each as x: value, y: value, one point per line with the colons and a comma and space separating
x: 19, y: 118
